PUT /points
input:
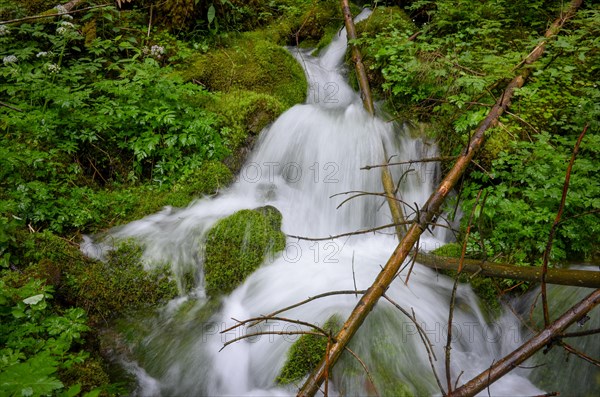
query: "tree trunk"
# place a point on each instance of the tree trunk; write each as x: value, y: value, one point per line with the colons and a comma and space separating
x: 429, y: 211
x: 576, y: 278
x: 361, y: 73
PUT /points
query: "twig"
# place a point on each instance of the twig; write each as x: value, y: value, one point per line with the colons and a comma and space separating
x: 150, y: 21
x: 561, y: 208
x: 362, y: 193
x: 424, y: 339
x: 364, y: 231
x: 257, y: 320
x: 412, y: 262
x: 581, y: 333
x: 58, y: 14
x: 528, y: 348
x: 523, y: 121
x: 310, y: 299
x: 246, y: 336
x: 364, y: 367
x: 453, y: 296
x: 6, y: 105
x: 425, y: 160
x: 354, y: 276
x: 579, y: 354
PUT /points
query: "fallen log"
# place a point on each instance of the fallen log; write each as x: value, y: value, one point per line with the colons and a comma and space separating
x: 576, y: 278
x: 430, y: 210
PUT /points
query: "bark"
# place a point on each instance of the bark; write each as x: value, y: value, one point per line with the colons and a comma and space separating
x: 526, y: 350
x: 361, y: 72
x: 576, y: 278
x: 430, y: 210
x: 395, y: 207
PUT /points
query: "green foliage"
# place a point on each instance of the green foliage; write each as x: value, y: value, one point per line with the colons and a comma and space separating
x: 306, y: 353
x: 382, y: 23
x: 99, y: 110
x: 522, y: 201
x: 238, y: 245
x: 465, y: 53
x: 35, y: 341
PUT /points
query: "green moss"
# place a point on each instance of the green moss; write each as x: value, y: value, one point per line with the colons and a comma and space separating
x: 306, y: 353
x: 107, y: 290
x: 246, y: 113
x: 450, y: 250
x: 238, y: 244
x: 251, y: 65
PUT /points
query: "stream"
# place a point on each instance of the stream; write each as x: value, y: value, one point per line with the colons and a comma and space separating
x: 304, y: 164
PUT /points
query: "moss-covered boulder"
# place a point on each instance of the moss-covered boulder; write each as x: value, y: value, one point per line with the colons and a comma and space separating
x: 307, y: 352
x: 113, y: 288
x: 251, y: 65
x: 237, y: 245
x: 246, y: 113
x: 105, y: 290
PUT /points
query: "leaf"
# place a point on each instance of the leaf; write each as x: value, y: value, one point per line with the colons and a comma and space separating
x: 33, y: 300
x: 72, y: 392
x: 211, y: 14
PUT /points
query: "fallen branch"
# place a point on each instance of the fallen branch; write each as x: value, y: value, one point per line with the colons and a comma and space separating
x: 425, y: 160
x: 527, y: 349
x: 561, y: 208
x: 430, y: 210
x: 53, y: 13
x: 577, y: 278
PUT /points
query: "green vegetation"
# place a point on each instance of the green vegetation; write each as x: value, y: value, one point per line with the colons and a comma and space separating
x: 238, y: 244
x: 109, y: 116
x: 451, y: 73
x: 307, y: 352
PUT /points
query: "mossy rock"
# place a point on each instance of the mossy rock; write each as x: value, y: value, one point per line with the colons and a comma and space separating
x: 381, y: 21
x: 246, y: 113
x: 306, y: 353
x: 112, y: 289
x: 237, y: 245
x: 251, y: 65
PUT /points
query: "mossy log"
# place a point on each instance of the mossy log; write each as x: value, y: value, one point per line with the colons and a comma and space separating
x: 578, y: 278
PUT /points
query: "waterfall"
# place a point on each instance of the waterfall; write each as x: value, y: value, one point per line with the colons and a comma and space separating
x: 304, y: 164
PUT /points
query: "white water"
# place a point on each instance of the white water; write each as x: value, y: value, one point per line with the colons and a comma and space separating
x: 314, y: 151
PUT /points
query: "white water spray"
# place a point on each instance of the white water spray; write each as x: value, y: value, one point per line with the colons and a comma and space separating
x: 312, y: 152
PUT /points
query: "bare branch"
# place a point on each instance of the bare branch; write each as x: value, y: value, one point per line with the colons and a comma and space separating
x: 561, y: 208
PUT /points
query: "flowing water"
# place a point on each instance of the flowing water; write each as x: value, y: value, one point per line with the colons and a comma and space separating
x: 312, y: 152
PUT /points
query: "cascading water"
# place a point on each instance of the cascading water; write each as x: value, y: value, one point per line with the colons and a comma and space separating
x: 310, y: 153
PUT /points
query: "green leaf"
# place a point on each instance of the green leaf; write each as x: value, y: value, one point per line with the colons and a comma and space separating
x: 211, y: 14
x: 33, y: 300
